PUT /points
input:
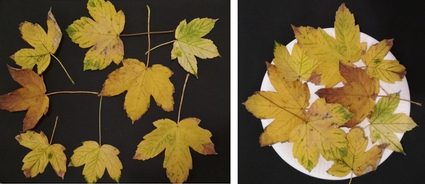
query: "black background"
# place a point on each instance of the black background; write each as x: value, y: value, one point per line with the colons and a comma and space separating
x: 207, y: 98
x: 262, y: 23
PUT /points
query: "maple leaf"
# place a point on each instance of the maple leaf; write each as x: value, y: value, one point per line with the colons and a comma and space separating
x: 30, y: 97
x: 141, y: 83
x: 378, y: 67
x: 45, y: 44
x: 358, y: 159
x: 320, y: 134
x: 298, y: 65
x: 358, y: 93
x: 384, y: 122
x: 189, y: 43
x: 96, y: 158
x: 41, y: 154
x: 102, y: 34
x: 329, y: 51
x: 176, y: 140
x: 286, y: 106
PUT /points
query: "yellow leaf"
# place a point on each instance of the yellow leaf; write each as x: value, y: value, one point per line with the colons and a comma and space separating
x: 141, y: 83
x: 42, y: 153
x: 176, y: 140
x: 386, y: 70
x: 96, y: 158
x: 320, y: 134
x: 286, y: 106
x: 329, y: 52
x: 31, y: 97
x: 384, y: 123
x: 45, y: 44
x: 358, y: 94
x: 358, y: 159
x: 296, y: 66
x: 102, y: 34
x: 189, y: 43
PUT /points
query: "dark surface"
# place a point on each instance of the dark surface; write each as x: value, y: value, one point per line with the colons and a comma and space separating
x: 207, y: 98
x: 262, y: 23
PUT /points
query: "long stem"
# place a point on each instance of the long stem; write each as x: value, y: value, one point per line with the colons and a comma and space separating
x: 351, y: 178
x: 53, y: 131
x: 100, y: 120
x: 145, y: 33
x: 410, y: 101
x: 64, y: 69
x: 72, y: 92
x: 160, y: 45
x: 149, y: 35
x: 182, y: 96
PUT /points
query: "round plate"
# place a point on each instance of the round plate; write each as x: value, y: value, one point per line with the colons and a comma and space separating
x: 284, y: 150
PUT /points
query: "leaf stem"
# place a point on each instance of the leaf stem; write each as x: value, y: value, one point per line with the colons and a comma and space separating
x: 149, y: 35
x: 351, y: 178
x: 64, y: 69
x: 100, y: 120
x: 160, y: 45
x: 410, y: 101
x: 182, y: 97
x: 53, y: 131
x: 145, y: 33
x: 72, y: 92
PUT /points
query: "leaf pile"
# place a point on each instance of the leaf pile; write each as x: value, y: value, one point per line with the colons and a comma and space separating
x: 101, y: 34
x: 316, y: 129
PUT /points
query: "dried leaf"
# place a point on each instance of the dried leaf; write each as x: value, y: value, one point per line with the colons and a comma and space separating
x: 45, y: 44
x: 176, y: 140
x: 384, y: 123
x: 358, y: 159
x: 141, y: 83
x: 102, y: 34
x: 358, y: 94
x: 189, y: 43
x: 320, y: 134
x: 386, y: 70
x: 31, y: 97
x: 329, y: 51
x: 41, y: 154
x: 286, y: 106
x: 96, y: 158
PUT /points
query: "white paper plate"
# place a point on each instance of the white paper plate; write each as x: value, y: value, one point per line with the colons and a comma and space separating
x: 284, y: 150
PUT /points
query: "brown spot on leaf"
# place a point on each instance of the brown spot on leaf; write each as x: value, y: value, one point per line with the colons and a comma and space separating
x: 209, y: 149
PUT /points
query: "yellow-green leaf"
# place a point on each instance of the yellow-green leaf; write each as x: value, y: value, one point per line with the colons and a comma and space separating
x: 41, y: 154
x: 320, y: 134
x: 96, y: 158
x: 357, y: 160
x: 45, y: 44
x: 176, y: 140
x: 31, y: 97
x: 296, y: 66
x: 101, y: 34
x: 384, y: 123
x: 189, y: 43
x: 286, y: 106
x: 347, y: 35
x: 141, y: 83
x: 386, y: 70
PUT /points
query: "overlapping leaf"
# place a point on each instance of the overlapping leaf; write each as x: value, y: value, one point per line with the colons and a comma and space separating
x: 176, y: 139
x: 329, y: 51
x: 31, y: 97
x: 42, y: 153
x: 358, y: 160
x: 380, y: 68
x: 384, y: 123
x: 286, y: 106
x: 101, y: 34
x: 358, y: 93
x: 45, y: 44
x: 189, y: 43
x: 96, y: 158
